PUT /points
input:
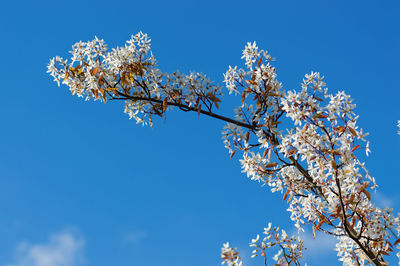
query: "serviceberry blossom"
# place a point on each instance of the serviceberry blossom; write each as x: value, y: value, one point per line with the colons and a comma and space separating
x: 290, y: 249
x: 230, y: 256
x: 302, y: 143
x: 398, y: 125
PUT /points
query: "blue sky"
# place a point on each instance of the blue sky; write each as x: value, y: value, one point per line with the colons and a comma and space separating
x: 79, y: 180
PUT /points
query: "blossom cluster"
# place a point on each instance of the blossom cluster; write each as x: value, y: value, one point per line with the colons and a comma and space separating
x: 131, y: 73
x: 290, y: 248
x: 310, y: 157
x: 398, y: 125
x: 230, y: 256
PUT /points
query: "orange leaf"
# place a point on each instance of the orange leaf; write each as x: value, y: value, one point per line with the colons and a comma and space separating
x: 356, y: 147
x: 94, y: 71
x: 259, y: 62
x: 66, y: 76
x: 286, y: 194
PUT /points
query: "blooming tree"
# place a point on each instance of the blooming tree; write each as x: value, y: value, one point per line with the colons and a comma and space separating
x: 302, y: 143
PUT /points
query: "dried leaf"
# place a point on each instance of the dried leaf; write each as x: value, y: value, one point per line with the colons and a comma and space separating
x: 243, y: 96
x: 253, y: 76
x: 333, y: 163
x: 270, y: 165
x: 319, y: 116
x: 384, y: 253
x: 233, y: 153
x: 164, y: 104
x: 319, y: 99
x: 265, y: 152
x: 367, y: 194
x: 352, y: 131
x: 319, y: 225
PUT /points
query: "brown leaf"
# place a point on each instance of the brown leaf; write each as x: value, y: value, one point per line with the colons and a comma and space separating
x: 215, y: 99
x: 270, y: 165
x: 352, y: 131
x: 319, y: 225
x: 164, y: 104
x: 319, y: 99
x: 384, y: 253
x: 333, y: 163
x: 233, y: 153
x: 265, y: 152
x: 319, y: 116
x: 367, y: 194
x: 243, y: 96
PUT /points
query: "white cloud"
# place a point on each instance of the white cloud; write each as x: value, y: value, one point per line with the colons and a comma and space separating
x: 62, y: 249
x: 135, y: 236
x: 322, y: 245
x: 383, y: 201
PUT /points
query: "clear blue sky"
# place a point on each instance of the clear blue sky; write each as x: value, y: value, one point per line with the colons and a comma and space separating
x: 132, y: 195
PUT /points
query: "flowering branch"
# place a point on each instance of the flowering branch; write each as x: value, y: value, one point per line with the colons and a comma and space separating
x: 300, y: 143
